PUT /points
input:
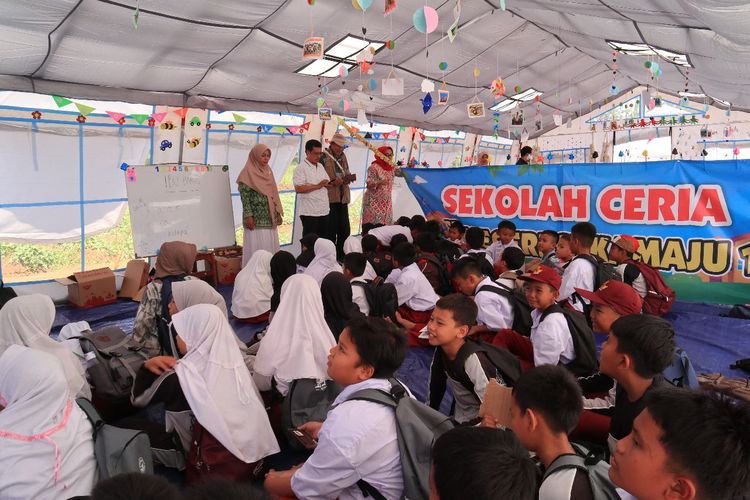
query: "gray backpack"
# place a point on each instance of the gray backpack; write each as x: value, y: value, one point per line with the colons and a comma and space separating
x: 117, y: 451
x: 306, y: 401
x: 118, y: 359
x: 418, y: 428
x: 597, y: 470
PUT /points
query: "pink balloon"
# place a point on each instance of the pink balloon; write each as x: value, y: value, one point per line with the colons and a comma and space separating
x: 431, y: 19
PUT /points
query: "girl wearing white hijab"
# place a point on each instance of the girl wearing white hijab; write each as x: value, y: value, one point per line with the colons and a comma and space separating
x: 352, y: 244
x: 324, y: 261
x: 298, y: 340
x: 253, y: 288
x: 27, y: 321
x: 46, y: 444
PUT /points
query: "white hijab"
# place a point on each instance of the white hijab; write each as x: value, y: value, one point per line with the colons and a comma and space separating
x: 27, y: 320
x: 324, y: 261
x: 253, y: 287
x: 218, y: 385
x: 352, y: 244
x: 191, y: 292
x: 46, y: 445
x: 298, y: 340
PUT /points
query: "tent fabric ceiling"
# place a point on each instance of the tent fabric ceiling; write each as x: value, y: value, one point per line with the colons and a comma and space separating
x: 240, y: 55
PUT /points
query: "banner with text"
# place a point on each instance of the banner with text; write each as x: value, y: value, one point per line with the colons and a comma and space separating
x: 692, y: 218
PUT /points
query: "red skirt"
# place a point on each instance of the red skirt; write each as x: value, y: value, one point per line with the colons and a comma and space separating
x: 420, y: 320
x: 255, y: 320
x: 519, y: 345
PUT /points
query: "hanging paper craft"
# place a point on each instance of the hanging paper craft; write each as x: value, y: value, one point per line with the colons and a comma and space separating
x: 319, y: 102
x: 390, y: 44
x: 517, y: 119
x: 193, y: 143
x: 195, y: 121
x: 425, y: 19
x: 361, y: 118
x: 344, y: 105
x: 389, y: 6
x: 139, y: 118
x: 497, y: 87
x: 312, y: 48
x: 372, y: 84
x: 84, y: 110
x: 167, y: 125
x: 475, y: 109
x: 443, y: 96
x: 238, y: 118
x: 426, y: 102
x: 61, y: 101
x: 158, y: 116
x: 453, y: 29
x: 392, y: 85
x: 116, y: 116
x: 427, y: 85
x: 557, y: 118
x: 182, y: 112
x: 343, y: 71
x: 361, y: 4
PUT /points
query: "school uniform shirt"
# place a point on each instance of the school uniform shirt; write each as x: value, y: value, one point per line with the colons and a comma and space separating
x: 638, y: 284
x: 550, y: 259
x: 580, y: 273
x: 358, y: 440
x: 495, y: 311
x: 495, y: 250
x: 314, y: 203
x: 384, y: 234
x: 566, y: 484
x: 359, y: 297
x: 478, y: 250
x: 625, y: 412
x: 413, y: 289
x: 509, y: 279
x: 551, y: 339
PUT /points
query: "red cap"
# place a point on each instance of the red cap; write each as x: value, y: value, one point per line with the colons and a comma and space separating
x: 544, y: 274
x: 626, y: 242
x: 617, y: 295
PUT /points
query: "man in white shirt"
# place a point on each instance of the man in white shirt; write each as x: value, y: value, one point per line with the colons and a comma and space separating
x: 358, y: 441
x: 580, y: 273
x: 384, y: 234
x: 310, y: 182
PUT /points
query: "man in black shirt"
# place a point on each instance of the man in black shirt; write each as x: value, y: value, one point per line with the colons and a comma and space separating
x: 525, y: 158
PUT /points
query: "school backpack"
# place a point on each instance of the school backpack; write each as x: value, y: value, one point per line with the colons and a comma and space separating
x: 595, y: 468
x: 521, y: 309
x: 5, y: 294
x: 117, y: 451
x: 418, y: 427
x: 118, y: 359
x: 164, y: 319
x: 503, y: 360
x: 603, y: 270
x: 307, y: 400
x: 681, y: 373
x: 381, y: 297
x: 659, y: 297
x: 585, y: 362
x: 382, y: 263
x: 445, y: 286
x: 484, y: 265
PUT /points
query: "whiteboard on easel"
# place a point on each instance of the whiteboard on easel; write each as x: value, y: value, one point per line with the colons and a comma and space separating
x: 190, y: 203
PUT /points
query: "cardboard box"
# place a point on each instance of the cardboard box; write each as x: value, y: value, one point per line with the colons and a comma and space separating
x: 91, y: 288
x: 227, y: 269
x: 497, y: 402
x: 136, y: 277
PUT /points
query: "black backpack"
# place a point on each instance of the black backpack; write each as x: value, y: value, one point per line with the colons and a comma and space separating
x: 382, y: 263
x: 484, y: 265
x: 521, y: 309
x: 163, y: 318
x: 503, y: 360
x: 585, y: 362
x: 307, y: 400
x: 445, y: 286
x: 381, y: 297
x: 5, y: 294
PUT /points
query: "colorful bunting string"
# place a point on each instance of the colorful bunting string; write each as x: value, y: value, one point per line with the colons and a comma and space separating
x: 61, y: 101
x: 115, y: 116
x: 84, y: 110
x: 140, y: 118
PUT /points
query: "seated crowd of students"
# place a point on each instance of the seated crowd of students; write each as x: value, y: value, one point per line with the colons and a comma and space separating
x: 606, y: 425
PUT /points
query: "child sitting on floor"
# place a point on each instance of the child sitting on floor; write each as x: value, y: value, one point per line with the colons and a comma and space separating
x: 563, y: 252
x: 509, y: 267
x: 506, y: 234
x: 495, y: 310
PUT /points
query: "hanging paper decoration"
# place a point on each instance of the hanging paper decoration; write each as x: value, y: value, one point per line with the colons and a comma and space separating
x: 475, y: 109
x: 453, y: 29
x: 319, y: 102
x: 192, y: 143
x: 84, y: 110
x: 324, y: 90
x: 182, y: 112
x: 557, y: 118
x: 136, y: 14
x: 736, y: 151
x: 443, y: 96
x: 344, y: 105
x: 116, y: 116
x: 167, y: 125
x: 497, y: 87
x: 362, y: 5
x: 238, y: 118
x: 343, y: 71
x: 443, y: 66
x: 312, y: 48
x: 361, y: 118
x: 195, y: 121
x: 61, y: 101
x: 517, y: 89
x: 158, y: 116
x: 389, y: 6
x: 81, y: 119
x: 476, y: 72
x: 139, y: 118
x: 426, y: 102
x: 550, y: 156
x: 614, y: 90
x: 310, y: 2
x: 372, y: 84
x: 390, y: 44
x: 425, y: 19
x: 36, y: 115
x: 392, y: 85
x: 427, y: 85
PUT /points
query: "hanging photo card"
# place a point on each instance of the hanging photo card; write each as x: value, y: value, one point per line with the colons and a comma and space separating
x: 443, y: 96
x: 324, y: 114
x: 475, y: 109
x: 313, y: 48
x: 516, y: 119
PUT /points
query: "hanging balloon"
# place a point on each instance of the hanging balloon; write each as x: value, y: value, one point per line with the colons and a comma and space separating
x: 324, y: 90
x: 320, y: 102
x: 425, y: 19
x: 343, y: 70
x: 390, y: 44
x: 372, y: 84
x: 361, y: 4
x: 443, y: 66
x: 517, y: 89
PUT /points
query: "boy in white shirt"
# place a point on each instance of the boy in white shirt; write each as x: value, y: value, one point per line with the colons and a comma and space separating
x: 416, y: 297
x: 355, y: 265
x: 506, y: 234
x: 580, y: 273
x: 358, y: 441
x: 495, y: 310
x: 385, y: 233
x: 509, y: 267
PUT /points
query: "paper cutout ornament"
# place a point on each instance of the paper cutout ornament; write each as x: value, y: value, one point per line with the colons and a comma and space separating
x: 139, y: 118
x: 159, y: 117
x: 372, y: 84
x: 517, y: 89
x: 736, y: 151
x: 557, y: 118
x: 344, y: 105
x: 475, y: 109
x: 390, y: 44
x: 392, y: 85
x: 84, y: 110
x: 319, y: 102
x: 426, y: 102
x: 361, y: 4
x: 116, y: 116
x: 313, y: 47
x: 343, y: 71
x: 427, y: 85
x: 61, y: 101
x: 182, y: 112
x: 443, y: 97
x: 425, y: 19
x: 443, y: 66
x: 497, y: 87
x: 614, y: 90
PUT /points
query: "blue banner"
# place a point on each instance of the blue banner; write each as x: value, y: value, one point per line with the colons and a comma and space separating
x: 690, y: 217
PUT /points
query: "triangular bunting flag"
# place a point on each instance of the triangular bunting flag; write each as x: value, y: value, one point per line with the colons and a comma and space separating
x: 139, y: 118
x: 376, y: 135
x: 292, y: 129
x: 61, y: 101
x: 158, y: 116
x: 84, y: 110
x: 182, y: 112
x: 305, y: 126
x: 267, y: 128
x: 115, y: 116
x: 238, y: 118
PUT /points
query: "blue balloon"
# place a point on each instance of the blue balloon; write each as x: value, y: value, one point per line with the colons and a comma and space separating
x: 426, y: 102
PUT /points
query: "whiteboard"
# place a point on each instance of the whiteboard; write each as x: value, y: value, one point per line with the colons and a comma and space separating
x: 190, y: 203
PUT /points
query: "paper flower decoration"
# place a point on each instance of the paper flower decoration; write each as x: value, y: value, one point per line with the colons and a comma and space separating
x: 36, y: 115
x: 121, y: 121
x: 81, y: 119
x: 230, y: 126
x: 151, y: 122
x: 497, y: 87
x: 425, y: 19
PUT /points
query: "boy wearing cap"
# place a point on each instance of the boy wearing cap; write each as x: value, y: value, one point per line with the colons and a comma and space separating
x: 551, y: 342
x: 621, y: 251
x: 612, y: 300
x: 339, y: 196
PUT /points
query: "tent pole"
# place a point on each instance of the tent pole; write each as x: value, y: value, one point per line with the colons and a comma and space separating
x: 182, y: 134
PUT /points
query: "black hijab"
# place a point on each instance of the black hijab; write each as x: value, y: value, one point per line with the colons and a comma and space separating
x: 338, y: 307
x: 308, y: 255
x: 282, y: 267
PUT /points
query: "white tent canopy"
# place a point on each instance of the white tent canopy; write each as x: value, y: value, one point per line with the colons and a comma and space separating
x: 242, y: 55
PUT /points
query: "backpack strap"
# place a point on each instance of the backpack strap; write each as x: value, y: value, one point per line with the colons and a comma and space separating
x: 96, y: 423
x: 369, y: 490
x: 631, y: 272
x: 564, y: 462
x: 554, y: 308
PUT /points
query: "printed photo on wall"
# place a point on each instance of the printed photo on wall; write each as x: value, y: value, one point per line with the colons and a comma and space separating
x: 516, y: 120
x: 313, y: 48
x: 475, y: 109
